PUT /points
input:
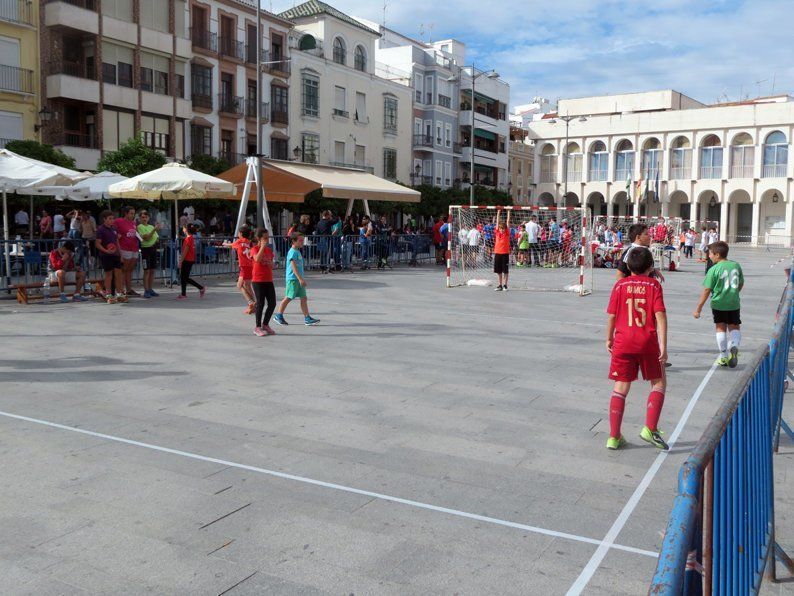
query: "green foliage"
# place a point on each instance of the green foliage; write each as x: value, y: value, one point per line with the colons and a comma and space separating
x: 131, y: 159
x: 42, y: 152
x: 208, y: 164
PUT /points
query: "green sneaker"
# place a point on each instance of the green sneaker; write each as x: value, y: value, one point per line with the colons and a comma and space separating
x: 654, y: 437
x: 733, y: 359
x: 613, y: 443
x: 723, y: 361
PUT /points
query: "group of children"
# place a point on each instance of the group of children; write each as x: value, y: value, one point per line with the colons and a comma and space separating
x: 255, y: 281
x: 637, y: 330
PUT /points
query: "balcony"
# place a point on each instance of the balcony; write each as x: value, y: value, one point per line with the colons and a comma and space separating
x: 711, y: 172
x: 423, y: 140
x: 201, y: 100
x: 250, y: 110
x: 597, y: 175
x: 279, y: 116
x: 341, y: 164
x: 621, y: 175
x: 79, y: 15
x: 87, y: 4
x: 75, y: 139
x: 548, y: 177
x: 774, y: 171
x: 341, y: 113
x: 231, y: 48
x: 416, y: 180
x: 457, y: 148
x: 281, y: 67
x: 72, y: 68
x: 203, y: 39
x: 250, y: 54
x: 444, y: 101
x: 18, y: 80
x: 390, y: 126
x: 739, y: 171
x: 680, y: 173
x: 16, y: 11
x: 230, y: 104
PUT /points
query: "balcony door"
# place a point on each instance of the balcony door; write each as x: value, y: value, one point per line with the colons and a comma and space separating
x: 227, y: 87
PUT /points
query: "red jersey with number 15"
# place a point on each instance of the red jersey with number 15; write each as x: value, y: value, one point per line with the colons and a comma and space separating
x: 635, y: 300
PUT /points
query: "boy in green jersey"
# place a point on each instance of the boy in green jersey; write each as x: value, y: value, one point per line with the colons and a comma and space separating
x: 723, y: 282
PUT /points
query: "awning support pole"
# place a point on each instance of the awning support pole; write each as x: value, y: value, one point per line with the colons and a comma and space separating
x: 250, y: 177
x: 6, y: 244
x: 265, y: 214
x: 349, y: 211
x: 366, y: 208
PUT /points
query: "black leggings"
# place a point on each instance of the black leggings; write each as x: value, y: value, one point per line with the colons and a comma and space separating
x: 264, y: 291
x: 184, y: 277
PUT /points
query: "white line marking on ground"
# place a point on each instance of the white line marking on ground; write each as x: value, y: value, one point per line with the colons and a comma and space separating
x: 603, y: 548
x: 340, y: 487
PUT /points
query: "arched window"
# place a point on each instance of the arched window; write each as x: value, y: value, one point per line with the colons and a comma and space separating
x: 548, y: 163
x: 651, y: 158
x: 340, y: 52
x: 775, y: 155
x: 711, y: 158
x: 742, y: 156
x: 680, y: 159
x: 360, y: 59
x: 573, y: 167
x: 624, y: 161
x: 599, y: 162
x: 307, y: 42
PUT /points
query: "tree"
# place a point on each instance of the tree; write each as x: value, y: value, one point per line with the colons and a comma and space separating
x: 131, y: 159
x: 208, y: 164
x: 42, y: 152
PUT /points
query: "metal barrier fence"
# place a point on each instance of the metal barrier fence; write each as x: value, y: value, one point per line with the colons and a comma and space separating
x: 27, y: 259
x: 721, y: 532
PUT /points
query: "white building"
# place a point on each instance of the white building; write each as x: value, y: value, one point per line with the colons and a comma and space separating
x: 726, y: 162
x: 524, y: 114
x: 342, y: 113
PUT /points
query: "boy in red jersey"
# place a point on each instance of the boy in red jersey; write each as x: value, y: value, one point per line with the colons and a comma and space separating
x: 637, y: 340
x: 243, y: 247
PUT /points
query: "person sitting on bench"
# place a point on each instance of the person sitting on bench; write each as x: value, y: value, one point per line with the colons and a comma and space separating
x: 62, y: 270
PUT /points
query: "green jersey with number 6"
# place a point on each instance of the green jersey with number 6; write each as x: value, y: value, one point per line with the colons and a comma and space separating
x: 724, y: 280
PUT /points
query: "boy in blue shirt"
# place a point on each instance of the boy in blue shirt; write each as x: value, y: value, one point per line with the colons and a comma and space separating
x: 296, y: 284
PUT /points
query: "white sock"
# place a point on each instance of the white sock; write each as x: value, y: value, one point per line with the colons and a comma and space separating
x: 736, y: 339
x: 722, y: 343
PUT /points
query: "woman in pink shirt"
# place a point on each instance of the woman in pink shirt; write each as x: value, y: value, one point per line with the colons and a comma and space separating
x: 128, y: 245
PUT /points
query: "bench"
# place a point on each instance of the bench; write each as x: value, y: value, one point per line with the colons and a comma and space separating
x: 23, y: 297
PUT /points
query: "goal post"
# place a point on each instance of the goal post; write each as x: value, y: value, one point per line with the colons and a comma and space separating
x: 549, y: 247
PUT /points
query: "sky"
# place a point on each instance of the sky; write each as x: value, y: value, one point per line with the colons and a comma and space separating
x: 712, y: 50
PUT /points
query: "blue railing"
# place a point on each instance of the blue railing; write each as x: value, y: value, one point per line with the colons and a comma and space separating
x: 720, y: 535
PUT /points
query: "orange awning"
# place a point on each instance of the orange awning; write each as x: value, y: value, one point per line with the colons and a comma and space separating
x: 280, y: 187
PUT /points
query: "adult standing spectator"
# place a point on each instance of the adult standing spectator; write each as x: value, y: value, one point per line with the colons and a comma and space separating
x: 228, y: 223
x: 75, y: 226
x: 128, y: 246
x: 533, y: 236
x: 21, y: 221
x: 88, y: 232
x: 384, y: 237
x: 45, y: 225
x: 336, y: 243
x: 349, y: 233
x: 58, y: 225
x: 190, y: 213
x: 365, y: 239
x: 438, y: 241
x: 324, y: 241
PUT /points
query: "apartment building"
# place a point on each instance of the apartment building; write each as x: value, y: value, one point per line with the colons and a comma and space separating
x: 521, y: 162
x: 19, y: 70
x: 223, y: 80
x: 343, y: 113
x: 725, y: 162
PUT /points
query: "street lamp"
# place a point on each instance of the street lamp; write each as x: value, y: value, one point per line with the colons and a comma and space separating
x: 45, y: 115
x: 417, y: 172
x: 775, y: 198
x: 567, y: 120
x: 491, y: 74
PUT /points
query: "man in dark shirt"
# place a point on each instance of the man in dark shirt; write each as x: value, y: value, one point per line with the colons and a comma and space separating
x: 323, y: 230
x: 638, y: 236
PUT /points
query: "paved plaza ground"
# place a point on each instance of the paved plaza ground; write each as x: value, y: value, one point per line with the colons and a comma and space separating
x: 419, y: 441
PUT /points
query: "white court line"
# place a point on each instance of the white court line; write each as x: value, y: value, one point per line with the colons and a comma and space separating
x: 340, y: 487
x: 603, y: 548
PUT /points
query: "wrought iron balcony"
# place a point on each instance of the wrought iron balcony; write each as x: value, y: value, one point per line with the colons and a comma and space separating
x: 72, y: 68
x: 13, y: 78
x: 206, y: 40
x: 231, y: 104
x: 200, y: 100
x: 16, y: 11
x: 423, y: 140
x: 228, y: 46
x: 250, y: 110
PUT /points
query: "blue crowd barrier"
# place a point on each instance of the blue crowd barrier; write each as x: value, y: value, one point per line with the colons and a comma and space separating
x: 720, y: 536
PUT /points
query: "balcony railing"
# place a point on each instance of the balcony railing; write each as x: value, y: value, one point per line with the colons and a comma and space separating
x: 75, y: 139
x: 444, y: 101
x: 13, y: 78
x: 341, y: 113
x: 250, y: 110
x: 774, y: 171
x: 341, y: 164
x: 597, y: 175
x: 680, y: 173
x: 741, y: 171
x: 16, y: 11
x: 231, y: 104
x: 233, y: 159
x: 423, y: 140
x: 228, y: 46
x: 280, y: 66
x: 87, y: 4
x: 390, y: 125
x: 548, y: 177
x: 457, y: 148
x: 574, y: 175
x: 416, y: 180
x: 72, y: 68
x: 621, y: 174
x: 711, y: 172
x: 279, y: 116
x: 201, y: 100
x: 206, y: 40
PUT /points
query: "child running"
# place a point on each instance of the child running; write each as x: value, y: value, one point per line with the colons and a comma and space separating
x: 723, y: 282
x: 187, y: 257
x: 637, y: 340
x: 243, y: 247
x: 296, y: 284
x: 262, y: 282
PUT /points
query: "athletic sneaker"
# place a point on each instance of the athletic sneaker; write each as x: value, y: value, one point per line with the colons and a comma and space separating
x: 63, y: 298
x: 267, y: 329
x: 259, y: 332
x: 280, y: 319
x: 122, y: 297
x: 132, y: 293
x: 733, y: 359
x: 111, y: 299
x: 723, y: 361
x: 310, y: 321
x: 504, y: 288
x: 498, y: 289
x: 181, y: 297
x: 146, y: 294
x: 615, y: 443
x: 153, y: 294
x: 654, y: 437
x: 202, y: 291
x: 79, y: 298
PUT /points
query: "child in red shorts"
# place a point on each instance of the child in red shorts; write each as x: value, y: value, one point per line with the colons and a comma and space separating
x: 637, y: 340
x: 243, y: 247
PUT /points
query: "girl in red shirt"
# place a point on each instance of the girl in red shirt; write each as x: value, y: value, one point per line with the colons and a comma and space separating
x: 243, y: 247
x: 264, y: 290
x: 187, y: 257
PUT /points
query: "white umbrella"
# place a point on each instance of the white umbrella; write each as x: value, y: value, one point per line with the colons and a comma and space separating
x: 94, y: 188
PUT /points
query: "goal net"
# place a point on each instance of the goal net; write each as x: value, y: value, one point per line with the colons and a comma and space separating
x: 609, y: 235
x: 547, y: 248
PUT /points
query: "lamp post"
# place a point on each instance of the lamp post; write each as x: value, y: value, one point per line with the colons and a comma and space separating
x: 567, y: 120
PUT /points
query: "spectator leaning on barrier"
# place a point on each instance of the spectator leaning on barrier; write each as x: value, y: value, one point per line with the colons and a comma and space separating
x: 58, y: 225
x: 21, y: 221
x: 128, y: 246
x: 62, y: 270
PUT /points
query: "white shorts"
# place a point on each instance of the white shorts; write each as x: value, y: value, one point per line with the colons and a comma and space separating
x: 128, y: 255
x: 68, y: 277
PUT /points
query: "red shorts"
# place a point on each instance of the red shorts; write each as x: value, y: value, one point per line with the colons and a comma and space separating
x: 247, y: 273
x: 624, y: 367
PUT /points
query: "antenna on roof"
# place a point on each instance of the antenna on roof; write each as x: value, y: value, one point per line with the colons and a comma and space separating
x: 430, y: 38
x: 774, y: 76
x: 421, y: 31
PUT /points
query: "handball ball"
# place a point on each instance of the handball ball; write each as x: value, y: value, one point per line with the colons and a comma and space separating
x: 111, y: 247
